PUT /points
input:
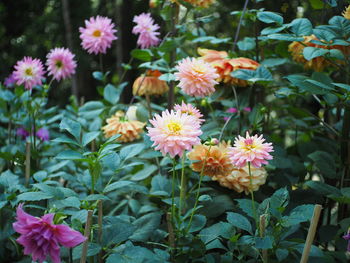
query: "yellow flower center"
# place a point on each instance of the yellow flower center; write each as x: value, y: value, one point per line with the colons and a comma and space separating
x: 174, y: 127
x: 59, y: 64
x: 29, y: 72
x: 249, y: 144
x: 199, y: 69
x: 96, y: 33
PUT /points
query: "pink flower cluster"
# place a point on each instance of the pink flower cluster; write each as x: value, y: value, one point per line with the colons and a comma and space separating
x: 147, y: 31
x: 41, y: 238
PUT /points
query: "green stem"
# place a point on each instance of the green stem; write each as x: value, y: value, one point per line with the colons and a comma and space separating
x: 252, y: 195
x: 183, y: 187
x: 173, y: 192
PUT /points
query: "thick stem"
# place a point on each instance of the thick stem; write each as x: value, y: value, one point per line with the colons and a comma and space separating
x: 27, y: 173
x: 173, y: 192
x: 99, y: 221
x: 148, y: 99
x: 87, y: 235
x: 252, y: 194
x: 183, y: 187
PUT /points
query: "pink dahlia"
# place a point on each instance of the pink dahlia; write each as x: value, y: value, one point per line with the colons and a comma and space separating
x: 147, y: 30
x: 43, y: 134
x: 190, y: 110
x: 60, y: 63
x: 197, y: 77
x: 29, y: 72
x: 174, y: 132
x: 97, y: 35
x: 40, y: 237
x: 250, y: 149
x: 10, y: 81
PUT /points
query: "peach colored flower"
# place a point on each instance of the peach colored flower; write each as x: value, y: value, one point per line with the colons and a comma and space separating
x: 239, y: 179
x: 217, y: 161
x: 251, y: 149
x: 346, y: 12
x: 190, y: 110
x: 118, y: 124
x: 150, y: 84
x: 174, y: 132
x: 197, y: 77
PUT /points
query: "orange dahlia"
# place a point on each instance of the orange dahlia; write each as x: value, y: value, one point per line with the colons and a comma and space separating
x: 239, y: 179
x: 225, y: 66
x: 118, y: 124
x: 217, y: 160
x: 150, y: 84
x: 346, y: 12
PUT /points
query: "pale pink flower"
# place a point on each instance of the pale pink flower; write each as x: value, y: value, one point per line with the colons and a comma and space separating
x: 197, y: 77
x: 40, y: 237
x: 60, y: 63
x: 190, y: 110
x: 247, y: 109
x: 147, y: 30
x: 29, y: 72
x: 174, y: 132
x: 97, y: 35
x: 250, y: 149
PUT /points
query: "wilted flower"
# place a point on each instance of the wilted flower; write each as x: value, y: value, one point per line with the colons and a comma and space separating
x: 147, y: 30
x: 40, y: 237
x: 347, y: 237
x: 239, y: 179
x: 217, y: 161
x: 129, y: 130
x: 346, y: 12
x: 29, y: 72
x: 197, y: 77
x: 190, y: 110
x: 43, y: 134
x: 10, y: 81
x: 60, y: 63
x: 22, y: 132
x: 150, y: 84
x: 174, y: 132
x: 98, y: 34
x: 250, y: 149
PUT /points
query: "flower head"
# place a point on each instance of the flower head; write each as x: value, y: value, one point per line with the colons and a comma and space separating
x: 97, y: 35
x: 29, y: 72
x: 250, y: 149
x: 347, y: 237
x: 197, y: 77
x: 60, y: 63
x: 232, y: 110
x: 22, y: 132
x: 247, y: 109
x: 239, y: 179
x: 147, y: 31
x: 40, y: 237
x: 10, y: 81
x: 129, y: 130
x: 215, y: 158
x: 190, y: 110
x: 174, y: 132
x: 346, y: 12
x: 150, y: 84
x: 43, y: 134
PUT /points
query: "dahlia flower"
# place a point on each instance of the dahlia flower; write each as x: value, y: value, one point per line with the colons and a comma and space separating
x: 217, y: 161
x: 60, y: 63
x: 29, y: 72
x: 197, y: 77
x: 97, y: 35
x: 239, y: 179
x: 250, y: 149
x: 43, y: 134
x: 346, y: 12
x: 190, y: 110
x: 230, y: 110
x: 247, y: 109
x: 150, y: 84
x: 128, y: 129
x: 174, y: 132
x: 147, y: 30
x: 10, y: 81
x: 40, y: 237
x: 347, y: 237
x: 22, y: 132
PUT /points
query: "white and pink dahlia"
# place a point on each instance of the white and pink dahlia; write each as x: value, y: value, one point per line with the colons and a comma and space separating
x: 174, y: 132
x: 147, y: 30
x: 251, y: 149
x: 60, y: 63
x: 197, y: 77
x: 190, y: 110
x: 29, y: 72
x: 97, y: 35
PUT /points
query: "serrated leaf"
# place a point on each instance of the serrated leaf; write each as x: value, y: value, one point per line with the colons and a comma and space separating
x: 73, y: 127
x: 144, y: 173
x: 239, y: 221
x: 89, y: 137
x: 117, y: 185
x: 34, y: 196
x: 70, y: 155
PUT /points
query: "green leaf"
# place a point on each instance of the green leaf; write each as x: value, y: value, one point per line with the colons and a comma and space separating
x: 325, y: 163
x: 282, y: 254
x: 313, y: 52
x: 93, y: 249
x: 337, y: 54
x: 198, y: 222
x: 298, y: 215
x: 248, y: 43
x: 111, y: 94
x: 116, y: 230
x: 239, y: 221
x: 246, y: 206
x: 161, y: 185
x: 260, y: 74
x: 97, y: 75
x: 145, y: 226
x: 73, y: 127
x: 142, y: 54
x: 89, y: 137
x: 270, y: 17
x: 323, y: 188
x: 34, y: 196
x: 285, y: 37
x: 70, y: 155
x: 117, y: 185
x: 211, y: 39
x: 144, y: 173
x: 131, y: 151
x: 264, y: 242
x: 342, y: 85
x: 222, y: 229
x: 301, y: 27
x: 65, y: 139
